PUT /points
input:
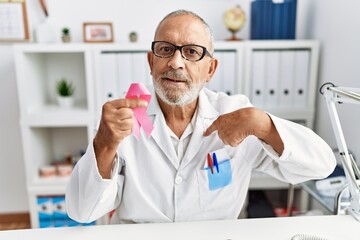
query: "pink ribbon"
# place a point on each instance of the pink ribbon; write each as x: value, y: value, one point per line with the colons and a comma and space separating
x: 138, y: 90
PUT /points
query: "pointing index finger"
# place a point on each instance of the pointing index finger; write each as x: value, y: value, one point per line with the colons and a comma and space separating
x: 212, y: 128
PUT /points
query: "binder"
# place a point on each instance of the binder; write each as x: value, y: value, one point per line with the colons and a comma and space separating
x: 286, y: 78
x: 45, y: 210
x: 276, y: 21
x: 148, y: 78
x: 59, y: 210
x: 108, y: 76
x: 140, y: 68
x: 215, y: 83
x: 60, y: 223
x: 125, y: 73
x: 302, y: 61
x: 267, y: 12
x: 228, y: 82
x: 286, y: 21
x: 261, y: 19
x: 292, y: 18
x: 255, y: 20
x: 272, y: 78
x: 257, y: 95
x: 46, y: 223
x: 273, y: 20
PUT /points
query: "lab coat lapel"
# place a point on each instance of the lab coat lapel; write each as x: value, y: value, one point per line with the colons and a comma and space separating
x: 206, y: 115
x: 163, y: 140
x: 160, y: 134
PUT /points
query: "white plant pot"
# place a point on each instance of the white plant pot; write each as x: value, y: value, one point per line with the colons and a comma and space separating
x: 65, y: 102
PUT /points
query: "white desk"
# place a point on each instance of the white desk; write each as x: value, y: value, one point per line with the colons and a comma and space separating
x: 338, y: 227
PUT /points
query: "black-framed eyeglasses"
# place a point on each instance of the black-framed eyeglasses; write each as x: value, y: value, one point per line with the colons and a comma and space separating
x: 190, y: 52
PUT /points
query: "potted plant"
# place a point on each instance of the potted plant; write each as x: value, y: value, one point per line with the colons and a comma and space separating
x: 133, y: 37
x: 66, y: 37
x: 65, y: 91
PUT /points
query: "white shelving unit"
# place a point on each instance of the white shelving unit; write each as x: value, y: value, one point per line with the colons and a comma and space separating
x: 285, y: 72
x: 49, y: 131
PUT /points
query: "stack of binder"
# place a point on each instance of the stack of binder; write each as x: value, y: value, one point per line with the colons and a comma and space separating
x: 279, y: 78
x: 272, y: 19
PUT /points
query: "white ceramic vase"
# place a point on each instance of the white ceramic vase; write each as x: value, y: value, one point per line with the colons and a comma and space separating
x: 65, y: 102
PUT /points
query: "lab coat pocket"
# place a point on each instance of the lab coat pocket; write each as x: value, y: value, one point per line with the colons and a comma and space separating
x: 215, y: 188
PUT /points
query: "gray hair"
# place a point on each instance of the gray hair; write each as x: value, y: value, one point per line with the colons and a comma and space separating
x: 186, y: 12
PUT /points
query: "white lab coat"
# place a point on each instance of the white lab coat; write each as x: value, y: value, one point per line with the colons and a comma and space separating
x: 149, y: 183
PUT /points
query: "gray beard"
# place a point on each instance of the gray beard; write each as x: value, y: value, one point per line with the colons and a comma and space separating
x: 187, y: 98
x: 179, y: 100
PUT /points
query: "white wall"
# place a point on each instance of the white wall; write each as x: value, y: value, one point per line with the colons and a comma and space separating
x: 336, y: 25
x: 12, y: 175
x: 127, y: 15
x: 333, y: 22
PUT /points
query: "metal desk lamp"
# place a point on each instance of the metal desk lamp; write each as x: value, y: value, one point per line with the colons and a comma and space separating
x: 334, y: 95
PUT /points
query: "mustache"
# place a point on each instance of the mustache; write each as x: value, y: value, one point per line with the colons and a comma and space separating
x: 175, y: 74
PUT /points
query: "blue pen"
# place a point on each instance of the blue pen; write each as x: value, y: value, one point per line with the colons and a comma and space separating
x: 216, y: 164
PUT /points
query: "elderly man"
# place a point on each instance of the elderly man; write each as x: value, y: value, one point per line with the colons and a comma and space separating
x: 197, y: 163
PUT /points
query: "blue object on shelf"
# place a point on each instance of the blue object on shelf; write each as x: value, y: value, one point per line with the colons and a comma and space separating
x: 43, y: 223
x: 273, y: 19
x: 59, y: 211
x: 52, y: 213
x: 44, y: 208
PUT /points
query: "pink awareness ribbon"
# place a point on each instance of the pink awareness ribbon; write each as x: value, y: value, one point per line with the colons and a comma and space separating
x: 138, y: 90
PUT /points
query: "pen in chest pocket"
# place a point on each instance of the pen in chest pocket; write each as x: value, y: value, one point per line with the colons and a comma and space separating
x: 216, y: 162
x: 210, y: 163
x: 213, y: 162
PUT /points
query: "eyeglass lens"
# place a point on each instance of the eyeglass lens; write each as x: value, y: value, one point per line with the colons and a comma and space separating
x: 189, y: 52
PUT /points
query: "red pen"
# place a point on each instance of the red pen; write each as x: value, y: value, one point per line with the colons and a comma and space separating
x: 210, y: 163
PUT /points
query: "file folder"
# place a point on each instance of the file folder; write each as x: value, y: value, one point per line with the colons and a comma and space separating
x: 272, y: 78
x: 140, y: 68
x: 302, y: 61
x: 273, y: 19
x: 258, y: 77
x: 45, y: 210
x: 59, y: 210
x: 124, y: 72
x: 108, y: 77
x: 215, y: 83
x: 229, y: 72
x: 286, y: 79
x: 224, y: 77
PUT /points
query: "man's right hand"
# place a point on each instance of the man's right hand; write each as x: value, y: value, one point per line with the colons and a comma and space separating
x: 115, y: 124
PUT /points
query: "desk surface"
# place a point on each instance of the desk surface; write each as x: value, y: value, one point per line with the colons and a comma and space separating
x: 328, y: 227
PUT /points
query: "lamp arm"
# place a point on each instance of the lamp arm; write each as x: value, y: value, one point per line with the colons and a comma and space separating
x: 334, y: 95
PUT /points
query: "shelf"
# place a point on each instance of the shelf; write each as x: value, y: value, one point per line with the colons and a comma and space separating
x: 48, y: 185
x: 282, y: 44
x: 44, y: 146
x: 39, y: 72
x: 53, y: 115
x: 50, y: 47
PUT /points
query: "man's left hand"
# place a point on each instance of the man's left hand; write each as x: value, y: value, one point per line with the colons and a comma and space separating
x: 235, y: 126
